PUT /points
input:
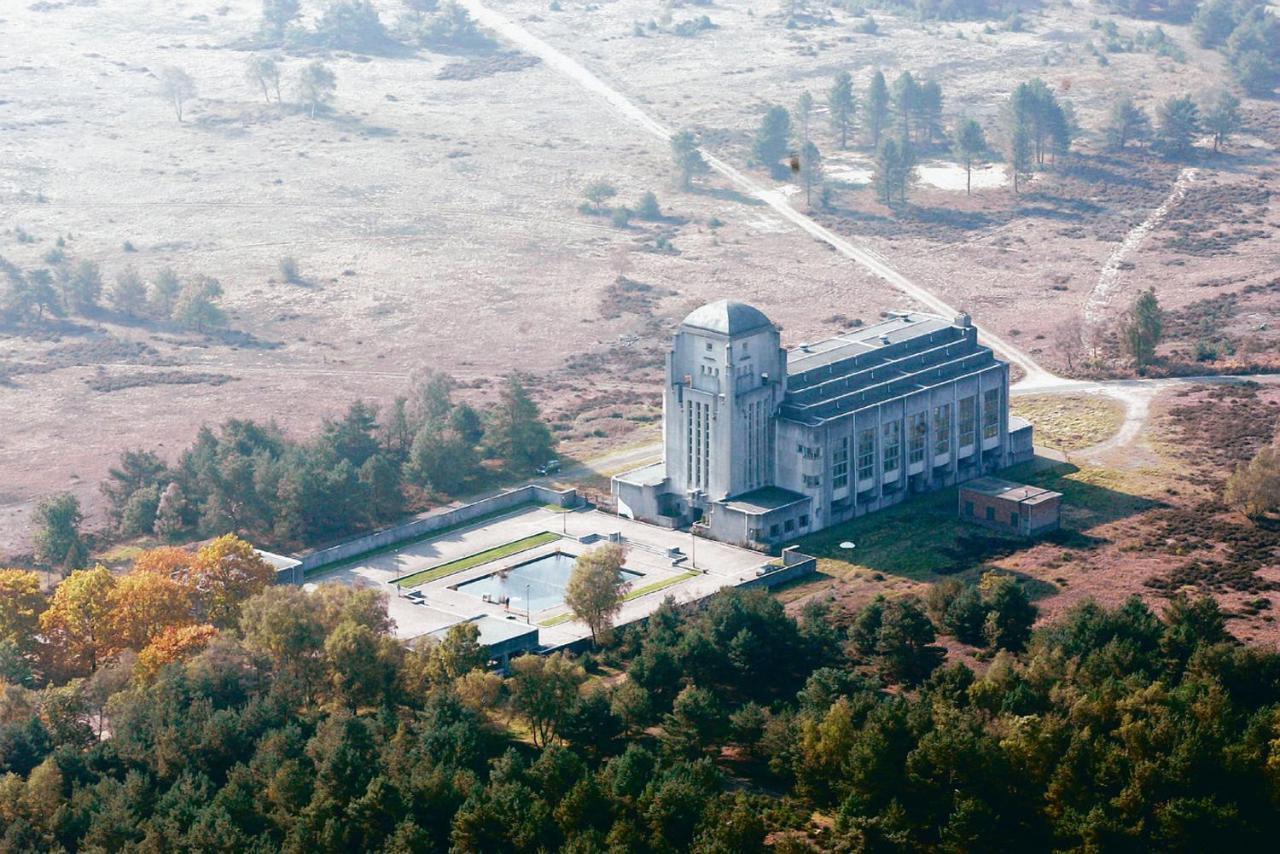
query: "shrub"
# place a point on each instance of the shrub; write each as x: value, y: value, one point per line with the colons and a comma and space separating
x: 289, y: 270
x: 648, y: 207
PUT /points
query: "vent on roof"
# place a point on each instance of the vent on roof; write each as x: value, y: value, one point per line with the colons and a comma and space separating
x: 884, y: 339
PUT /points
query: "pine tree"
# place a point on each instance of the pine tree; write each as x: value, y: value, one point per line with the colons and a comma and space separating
x: 1126, y: 122
x: 772, y: 138
x: 971, y: 143
x: 170, y: 512
x: 841, y: 107
x: 1222, y: 116
x: 689, y: 161
x: 516, y: 433
x: 810, y: 170
x: 1142, y: 326
x: 1177, y: 123
x: 877, y: 107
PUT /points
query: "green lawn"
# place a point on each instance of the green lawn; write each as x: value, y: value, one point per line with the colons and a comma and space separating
x: 924, y: 538
x: 495, y: 553
x: 403, y: 544
x: 637, y: 592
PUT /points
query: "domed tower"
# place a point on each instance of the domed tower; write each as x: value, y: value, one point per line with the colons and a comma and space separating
x: 726, y: 377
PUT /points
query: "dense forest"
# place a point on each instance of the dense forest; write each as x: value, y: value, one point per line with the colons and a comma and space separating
x: 298, y: 723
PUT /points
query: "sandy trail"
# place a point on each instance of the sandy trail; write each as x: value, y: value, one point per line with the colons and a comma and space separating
x: 1095, y: 307
x: 776, y: 199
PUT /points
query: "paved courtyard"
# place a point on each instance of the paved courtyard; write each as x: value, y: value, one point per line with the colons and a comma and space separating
x: 439, y: 603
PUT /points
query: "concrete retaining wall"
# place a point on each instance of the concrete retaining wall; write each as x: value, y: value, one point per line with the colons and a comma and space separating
x: 418, y: 528
x: 794, y: 565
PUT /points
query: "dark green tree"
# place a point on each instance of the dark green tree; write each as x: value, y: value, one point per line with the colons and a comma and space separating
x: 1142, y: 328
x: 515, y: 431
x: 970, y: 143
x: 842, y: 107
x: 1177, y: 124
x: 1126, y: 123
x: 772, y: 139
x: 57, y: 541
x: 1221, y: 116
x: 689, y: 161
x: 877, y: 106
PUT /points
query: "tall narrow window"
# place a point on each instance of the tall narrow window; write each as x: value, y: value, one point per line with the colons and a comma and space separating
x: 942, y: 429
x: 892, y: 447
x: 917, y: 430
x: 866, y: 453
x: 840, y: 464
x: 991, y: 413
x: 967, y: 418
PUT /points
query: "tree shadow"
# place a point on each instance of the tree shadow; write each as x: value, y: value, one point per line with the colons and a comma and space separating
x: 958, y: 219
x: 727, y: 195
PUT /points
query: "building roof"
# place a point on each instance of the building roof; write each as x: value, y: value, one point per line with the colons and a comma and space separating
x: 900, y: 356
x: 727, y: 317
x: 1022, y: 493
x: 897, y: 329
x: 764, y: 500
x: 279, y: 563
x: 650, y: 475
x: 495, y: 630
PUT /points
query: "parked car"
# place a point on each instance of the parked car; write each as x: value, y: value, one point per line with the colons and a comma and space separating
x: 549, y: 467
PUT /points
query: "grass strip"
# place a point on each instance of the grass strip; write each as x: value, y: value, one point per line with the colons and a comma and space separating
x: 430, y: 535
x: 557, y: 619
x: 505, y: 550
x: 658, y: 585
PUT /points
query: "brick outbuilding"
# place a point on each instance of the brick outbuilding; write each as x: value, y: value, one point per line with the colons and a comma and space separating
x: 1007, y: 506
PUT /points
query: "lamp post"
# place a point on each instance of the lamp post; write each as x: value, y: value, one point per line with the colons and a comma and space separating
x: 527, y: 606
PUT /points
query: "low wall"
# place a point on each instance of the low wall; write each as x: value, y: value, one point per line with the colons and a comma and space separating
x: 794, y: 565
x: 418, y: 528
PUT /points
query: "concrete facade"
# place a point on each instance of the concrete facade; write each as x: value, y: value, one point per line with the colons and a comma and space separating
x: 762, y: 445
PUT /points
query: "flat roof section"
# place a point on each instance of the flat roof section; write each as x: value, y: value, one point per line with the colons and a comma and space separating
x: 766, y: 499
x: 493, y: 630
x: 808, y: 357
x: 651, y: 475
x: 1022, y: 493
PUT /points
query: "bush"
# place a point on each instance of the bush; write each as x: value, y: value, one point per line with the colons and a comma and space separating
x: 289, y: 270
x: 648, y: 207
x: 352, y: 25
x: 621, y: 216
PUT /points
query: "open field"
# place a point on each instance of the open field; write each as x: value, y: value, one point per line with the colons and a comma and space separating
x: 1070, y: 422
x: 435, y: 219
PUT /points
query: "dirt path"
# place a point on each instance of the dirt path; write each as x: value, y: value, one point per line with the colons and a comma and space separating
x: 1095, y: 307
x: 864, y: 257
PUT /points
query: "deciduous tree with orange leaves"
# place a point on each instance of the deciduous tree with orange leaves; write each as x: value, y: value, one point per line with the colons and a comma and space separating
x: 77, y: 623
x: 144, y: 604
x: 169, y: 561
x: 21, y: 602
x: 175, y: 643
x: 225, y: 573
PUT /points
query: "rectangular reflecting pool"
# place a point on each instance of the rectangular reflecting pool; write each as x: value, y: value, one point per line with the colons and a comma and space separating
x: 535, y: 585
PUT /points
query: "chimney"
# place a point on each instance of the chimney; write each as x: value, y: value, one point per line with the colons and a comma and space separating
x: 963, y: 320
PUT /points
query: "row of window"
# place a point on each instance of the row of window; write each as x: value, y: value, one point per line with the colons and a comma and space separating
x: 917, y: 433
x: 776, y: 529
x: 698, y: 438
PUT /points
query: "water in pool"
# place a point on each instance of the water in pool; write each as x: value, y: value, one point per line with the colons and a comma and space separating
x: 542, y: 580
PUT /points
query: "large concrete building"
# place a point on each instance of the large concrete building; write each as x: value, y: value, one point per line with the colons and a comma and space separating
x: 763, y: 445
